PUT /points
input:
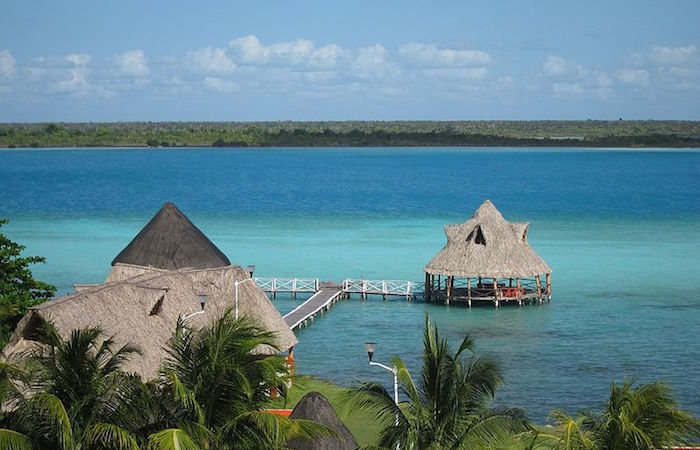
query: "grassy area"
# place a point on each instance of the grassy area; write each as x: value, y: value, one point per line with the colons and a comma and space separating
x: 363, y: 427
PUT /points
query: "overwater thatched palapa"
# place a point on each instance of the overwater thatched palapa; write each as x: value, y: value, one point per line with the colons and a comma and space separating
x: 314, y: 406
x: 486, y: 246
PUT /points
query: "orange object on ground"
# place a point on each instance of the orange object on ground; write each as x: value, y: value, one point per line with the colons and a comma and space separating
x: 280, y: 412
x: 290, y: 362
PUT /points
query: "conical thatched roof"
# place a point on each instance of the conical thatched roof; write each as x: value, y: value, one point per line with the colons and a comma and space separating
x: 314, y: 406
x: 171, y: 241
x: 487, y: 246
x: 141, y: 306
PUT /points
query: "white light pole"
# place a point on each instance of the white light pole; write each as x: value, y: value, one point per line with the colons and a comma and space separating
x: 370, y: 347
x: 185, y: 318
x: 236, y: 285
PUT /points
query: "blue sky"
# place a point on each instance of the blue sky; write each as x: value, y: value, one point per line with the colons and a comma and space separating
x: 321, y: 60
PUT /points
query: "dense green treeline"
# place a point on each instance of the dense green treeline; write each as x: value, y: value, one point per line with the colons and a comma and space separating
x: 588, y: 133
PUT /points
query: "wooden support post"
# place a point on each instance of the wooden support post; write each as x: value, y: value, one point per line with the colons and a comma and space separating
x: 520, y: 294
x: 539, y: 288
x: 495, y: 292
x: 469, y: 292
x: 428, y: 286
x: 549, y: 287
x: 448, y: 287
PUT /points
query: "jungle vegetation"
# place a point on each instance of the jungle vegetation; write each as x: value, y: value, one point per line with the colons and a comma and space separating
x: 588, y: 133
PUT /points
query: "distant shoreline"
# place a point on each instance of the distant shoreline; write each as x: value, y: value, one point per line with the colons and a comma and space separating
x: 525, y: 134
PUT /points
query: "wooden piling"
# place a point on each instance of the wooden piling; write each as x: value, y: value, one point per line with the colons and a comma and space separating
x: 428, y: 286
x: 549, y: 286
x: 495, y: 292
x: 469, y: 292
x: 539, y: 287
x: 449, y: 289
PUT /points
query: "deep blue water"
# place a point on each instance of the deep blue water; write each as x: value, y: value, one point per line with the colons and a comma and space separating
x: 621, y: 230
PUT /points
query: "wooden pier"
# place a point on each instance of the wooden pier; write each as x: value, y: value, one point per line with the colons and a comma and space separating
x: 293, y: 285
x: 327, y: 293
x: 408, y: 289
x: 321, y: 301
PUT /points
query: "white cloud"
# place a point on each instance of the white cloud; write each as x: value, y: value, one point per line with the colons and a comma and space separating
x: 132, y: 63
x: 682, y: 72
x: 672, y: 56
x: 554, y: 66
x: 7, y: 64
x: 567, y: 89
x: 78, y: 74
x: 602, y: 79
x: 372, y: 63
x: 210, y: 60
x: 249, y: 50
x: 327, y: 56
x: 460, y: 73
x: 634, y: 77
x: 79, y: 59
x: 221, y: 85
x: 428, y: 55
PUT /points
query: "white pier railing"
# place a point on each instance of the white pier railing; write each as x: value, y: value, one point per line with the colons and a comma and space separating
x: 292, y: 285
x: 383, y: 287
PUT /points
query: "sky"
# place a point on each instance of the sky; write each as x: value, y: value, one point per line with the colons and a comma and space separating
x: 158, y: 60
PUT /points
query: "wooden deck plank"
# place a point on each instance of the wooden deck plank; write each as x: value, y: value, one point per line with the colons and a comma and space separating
x: 312, y: 306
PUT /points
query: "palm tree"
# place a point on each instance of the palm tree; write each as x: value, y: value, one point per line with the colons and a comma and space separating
x: 211, y: 394
x: 220, y: 379
x: 65, y: 397
x: 634, y: 418
x: 448, y: 407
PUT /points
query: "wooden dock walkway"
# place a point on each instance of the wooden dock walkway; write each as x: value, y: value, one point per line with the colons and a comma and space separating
x: 300, y: 316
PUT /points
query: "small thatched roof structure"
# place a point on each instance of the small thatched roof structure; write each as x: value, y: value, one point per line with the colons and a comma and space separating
x: 171, y: 241
x: 487, y: 246
x: 314, y: 406
x: 141, y: 306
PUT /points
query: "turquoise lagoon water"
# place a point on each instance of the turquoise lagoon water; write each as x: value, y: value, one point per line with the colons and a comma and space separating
x: 620, y: 229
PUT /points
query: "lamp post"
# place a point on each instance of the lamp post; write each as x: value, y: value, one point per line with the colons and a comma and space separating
x: 236, y: 286
x: 370, y: 347
x: 185, y: 318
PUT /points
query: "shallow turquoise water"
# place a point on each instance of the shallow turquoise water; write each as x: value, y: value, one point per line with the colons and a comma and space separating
x: 620, y: 229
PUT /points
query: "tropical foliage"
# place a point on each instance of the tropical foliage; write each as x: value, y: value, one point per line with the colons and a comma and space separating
x: 634, y: 418
x: 18, y: 288
x: 74, y: 394
x: 355, y: 133
x: 448, y: 405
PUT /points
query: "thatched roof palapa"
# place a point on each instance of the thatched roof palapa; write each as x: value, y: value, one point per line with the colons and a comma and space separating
x: 487, y: 246
x: 171, y: 241
x: 144, y: 309
x: 314, y: 406
x: 169, y: 269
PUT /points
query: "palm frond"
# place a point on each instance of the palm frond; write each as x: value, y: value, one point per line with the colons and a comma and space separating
x: 281, y: 430
x: 13, y: 440
x: 110, y: 437
x: 172, y: 439
x: 44, y: 415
